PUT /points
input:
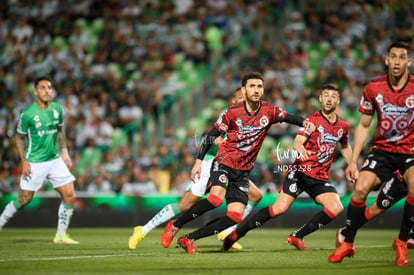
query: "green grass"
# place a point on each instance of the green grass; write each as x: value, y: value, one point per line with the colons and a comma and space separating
x: 265, y: 251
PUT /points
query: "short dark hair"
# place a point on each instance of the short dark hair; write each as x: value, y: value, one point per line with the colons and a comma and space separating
x: 252, y: 75
x: 41, y: 79
x: 331, y: 86
x: 399, y: 44
x: 236, y: 90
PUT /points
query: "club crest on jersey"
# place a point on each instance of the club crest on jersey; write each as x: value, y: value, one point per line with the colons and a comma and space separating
x: 264, y: 121
x: 222, y: 178
x: 385, y: 203
x: 409, y: 102
x: 293, y: 188
x: 223, y: 127
x: 340, y: 132
x: 55, y: 114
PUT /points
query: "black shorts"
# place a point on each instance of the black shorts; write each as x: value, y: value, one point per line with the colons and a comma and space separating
x: 384, y: 164
x: 297, y: 182
x: 391, y: 192
x: 235, y: 181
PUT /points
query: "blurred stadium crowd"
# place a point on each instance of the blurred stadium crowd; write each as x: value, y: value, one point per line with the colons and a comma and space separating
x: 114, y: 62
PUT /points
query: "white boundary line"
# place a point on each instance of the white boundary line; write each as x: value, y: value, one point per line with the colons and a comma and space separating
x: 144, y: 254
x: 78, y: 257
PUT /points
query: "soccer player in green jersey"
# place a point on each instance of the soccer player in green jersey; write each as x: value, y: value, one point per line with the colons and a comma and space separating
x: 42, y: 124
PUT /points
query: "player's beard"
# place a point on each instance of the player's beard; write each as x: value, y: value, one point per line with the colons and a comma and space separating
x: 329, y: 110
x: 250, y: 99
x: 44, y: 100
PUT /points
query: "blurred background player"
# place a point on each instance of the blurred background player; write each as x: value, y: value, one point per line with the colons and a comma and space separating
x: 309, y: 172
x: 42, y: 123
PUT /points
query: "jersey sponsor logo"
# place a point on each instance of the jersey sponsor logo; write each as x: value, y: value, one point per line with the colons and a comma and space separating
x: 244, y: 189
x: 327, y: 184
x: 409, y: 160
x: 38, y: 125
x: 40, y: 133
x: 387, y: 186
x: 248, y: 135
x: 395, y: 120
x: 327, y: 144
x: 293, y: 188
x: 36, y: 118
x: 409, y: 102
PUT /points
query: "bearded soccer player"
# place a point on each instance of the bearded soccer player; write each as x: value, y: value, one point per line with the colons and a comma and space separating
x: 42, y: 123
x: 309, y: 173
x: 246, y: 125
x: 195, y: 191
x: 392, y: 97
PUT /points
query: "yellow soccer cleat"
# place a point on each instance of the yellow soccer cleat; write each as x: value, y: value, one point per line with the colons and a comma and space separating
x: 65, y: 239
x: 222, y: 235
x: 136, y: 237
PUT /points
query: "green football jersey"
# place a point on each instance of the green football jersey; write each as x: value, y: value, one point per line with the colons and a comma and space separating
x: 211, y: 153
x: 41, y: 127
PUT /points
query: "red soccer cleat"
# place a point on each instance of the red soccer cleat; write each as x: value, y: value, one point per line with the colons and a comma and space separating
x: 168, y: 235
x: 339, y: 237
x: 400, y: 248
x: 298, y: 243
x: 344, y: 250
x: 189, y: 245
x: 229, y: 240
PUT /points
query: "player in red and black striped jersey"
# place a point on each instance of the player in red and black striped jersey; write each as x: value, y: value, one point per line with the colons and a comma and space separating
x: 246, y: 125
x: 392, y: 98
x: 245, y: 133
x: 309, y: 173
x: 390, y: 193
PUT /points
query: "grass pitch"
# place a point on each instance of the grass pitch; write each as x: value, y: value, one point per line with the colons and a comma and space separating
x: 265, y: 251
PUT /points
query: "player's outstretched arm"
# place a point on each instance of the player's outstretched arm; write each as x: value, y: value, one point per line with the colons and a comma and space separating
x: 300, y: 121
x: 298, y: 145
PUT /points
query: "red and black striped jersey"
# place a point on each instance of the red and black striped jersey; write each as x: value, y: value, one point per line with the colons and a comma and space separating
x: 323, y: 142
x: 245, y: 133
x: 395, y: 112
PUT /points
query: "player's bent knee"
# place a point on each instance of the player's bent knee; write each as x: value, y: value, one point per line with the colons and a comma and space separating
x: 336, y: 210
x: 360, y: 193
x: 235, y: 216
x: 70, y: 198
